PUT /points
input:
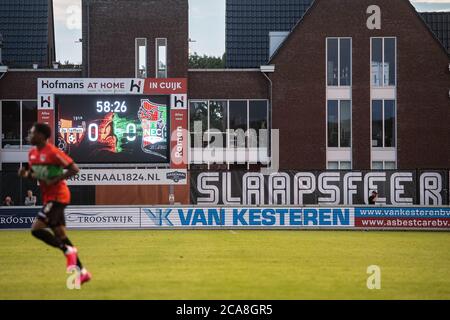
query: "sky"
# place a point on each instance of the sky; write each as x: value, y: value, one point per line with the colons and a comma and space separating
x: 206, y: 26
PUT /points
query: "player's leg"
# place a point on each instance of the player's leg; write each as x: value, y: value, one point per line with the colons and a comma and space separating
x: 61, y: 234
x: 38, y: 230
x: 58, y: 225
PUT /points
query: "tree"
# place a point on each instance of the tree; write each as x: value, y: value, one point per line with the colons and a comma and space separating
x: 206, y: 62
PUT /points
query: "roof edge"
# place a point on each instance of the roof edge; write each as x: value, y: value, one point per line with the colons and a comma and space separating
x: 225, y: 70
x: 312, y: 8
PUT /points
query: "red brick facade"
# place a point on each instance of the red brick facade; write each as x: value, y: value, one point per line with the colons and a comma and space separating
x: 299, y: 106
x: 111, y: 27
x: 299, y: 82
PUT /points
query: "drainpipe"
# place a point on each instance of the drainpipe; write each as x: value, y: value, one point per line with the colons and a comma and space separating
x: 265, y: 70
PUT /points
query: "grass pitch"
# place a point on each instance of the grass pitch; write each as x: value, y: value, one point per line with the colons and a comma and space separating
x: 230, y: 265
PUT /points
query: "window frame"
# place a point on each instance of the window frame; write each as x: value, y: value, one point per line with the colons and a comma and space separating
x: 157, y: 70
x: 372, y: 85
x: 383, y: 164
x: 383, y: 147
x: 339, y: 125
x: 339, y: 62
x: 227, y: 109
x: 137, y: 56
x: 339, y: 162
x: 22, y: 147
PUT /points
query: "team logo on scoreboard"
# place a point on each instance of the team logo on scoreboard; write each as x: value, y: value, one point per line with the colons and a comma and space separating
x: 71, y: 134
x: 153, y: 119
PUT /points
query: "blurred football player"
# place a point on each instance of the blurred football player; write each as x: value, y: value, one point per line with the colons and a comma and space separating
x: 51, y: 167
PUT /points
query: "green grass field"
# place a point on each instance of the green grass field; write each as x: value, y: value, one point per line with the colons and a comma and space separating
x: 230, y: 265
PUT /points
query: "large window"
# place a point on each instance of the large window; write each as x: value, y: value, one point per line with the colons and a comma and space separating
x: 17, y: 119
x: 161, y: 58
x: 383, y: 124
x: 339, y: 125
x: 217, y: 123
x: 384, y: 66
x: 339, y: 62
x: 141, y: 58
x: 198, y: 122
x: 238, y: 123
x: 257, y: 123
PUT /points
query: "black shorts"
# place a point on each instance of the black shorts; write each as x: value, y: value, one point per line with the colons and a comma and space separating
x: 52, y: 214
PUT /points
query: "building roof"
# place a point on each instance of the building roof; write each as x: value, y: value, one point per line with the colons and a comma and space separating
x: 439, y: 23
x: 248, y: 23
x: 24, y: 25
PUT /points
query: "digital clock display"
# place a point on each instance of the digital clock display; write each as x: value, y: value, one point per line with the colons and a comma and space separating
x: 99, y: 129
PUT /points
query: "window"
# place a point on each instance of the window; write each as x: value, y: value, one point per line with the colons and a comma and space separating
x: 217, y: 123
x: 258, y: 117
x: 141, y: 58
x: 198, y: 122
x: 384, y: 65
x: 383, y: 124
x: 29, y: 117
x: 17, y: 119
x: 11, y: 125
x: 339, y: 124
x: 276, y: 38
x: 339, y: 165
x: 237, y: 122
x: 161, y: 58
x: 383, y: 165
x: 339, y: 68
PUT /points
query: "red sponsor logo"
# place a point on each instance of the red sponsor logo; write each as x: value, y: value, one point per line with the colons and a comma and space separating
x: 165, y: 86
x: 178, y: 141
x: 47, y: 117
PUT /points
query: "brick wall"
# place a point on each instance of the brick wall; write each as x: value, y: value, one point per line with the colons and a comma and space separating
x: 110, y: 28
x: 423, y: 105
x: 227, y: 85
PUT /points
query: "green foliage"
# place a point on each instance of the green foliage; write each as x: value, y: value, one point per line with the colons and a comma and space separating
x: 206, y: 62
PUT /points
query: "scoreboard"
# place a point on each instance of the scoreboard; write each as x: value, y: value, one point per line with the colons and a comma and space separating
x: 103, y: 121
x: 99, y: 129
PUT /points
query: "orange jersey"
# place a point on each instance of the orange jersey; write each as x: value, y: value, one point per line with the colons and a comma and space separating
x: 48, y: 163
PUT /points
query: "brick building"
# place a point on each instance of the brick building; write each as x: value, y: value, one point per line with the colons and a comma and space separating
x: 354, y: 84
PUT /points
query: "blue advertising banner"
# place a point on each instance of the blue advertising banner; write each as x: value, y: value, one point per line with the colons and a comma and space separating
x: 331, y: 218
x: 249, y: 217
x: 17, y: 218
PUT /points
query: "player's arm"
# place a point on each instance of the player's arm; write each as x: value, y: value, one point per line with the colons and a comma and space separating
x: 26, y: 172
x: 70, y: 171
x: 71, y: 168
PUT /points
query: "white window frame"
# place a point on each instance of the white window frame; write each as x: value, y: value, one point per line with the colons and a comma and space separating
x: 339, y: 125
x: 137, y: 56
x: 157, y: 70
x: 383, y: 147
x: 384, y: 164
x: 339, y: 162
x: 339, y: 62
x: 382, y: 52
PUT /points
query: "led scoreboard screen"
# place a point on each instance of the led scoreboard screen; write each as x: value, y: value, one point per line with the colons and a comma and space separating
x: 108, y: 129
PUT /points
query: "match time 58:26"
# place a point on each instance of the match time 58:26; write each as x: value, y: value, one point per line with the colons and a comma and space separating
x: 255, y: 309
